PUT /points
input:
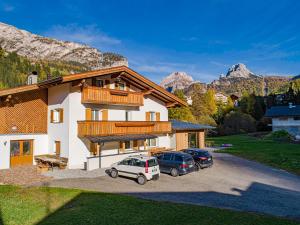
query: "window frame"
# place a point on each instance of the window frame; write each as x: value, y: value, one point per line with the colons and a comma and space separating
x: 56, y: 112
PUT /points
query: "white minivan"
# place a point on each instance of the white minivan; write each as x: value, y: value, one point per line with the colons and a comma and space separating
x: 143, y: 168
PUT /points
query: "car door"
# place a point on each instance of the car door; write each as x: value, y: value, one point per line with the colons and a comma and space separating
x: 161, y: 162
x: 124, y: 167
x: 168, y: 162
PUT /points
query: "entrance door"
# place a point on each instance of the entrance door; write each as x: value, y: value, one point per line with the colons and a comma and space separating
x: 21, y: 152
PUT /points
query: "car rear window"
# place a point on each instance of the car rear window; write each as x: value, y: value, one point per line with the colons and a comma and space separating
x: 178, y: 158
x: 206, y: 154
x: 152, y: 162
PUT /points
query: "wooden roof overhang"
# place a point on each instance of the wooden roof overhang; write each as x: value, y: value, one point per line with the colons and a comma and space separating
x: 148, y: 87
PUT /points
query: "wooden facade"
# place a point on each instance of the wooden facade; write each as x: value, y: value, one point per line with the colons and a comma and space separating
x: 182, y: 139
x: 106, y: 128
x: 24, y: 112
x: 91, y: 94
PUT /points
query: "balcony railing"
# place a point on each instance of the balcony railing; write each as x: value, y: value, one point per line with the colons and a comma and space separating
x: 98, y: 95
x: 106, y: 128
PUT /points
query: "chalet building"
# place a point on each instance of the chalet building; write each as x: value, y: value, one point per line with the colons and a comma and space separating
x: 285, y: 118
x: 91, y: 119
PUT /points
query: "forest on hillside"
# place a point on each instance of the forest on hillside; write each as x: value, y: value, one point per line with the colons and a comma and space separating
x: 246, y: 115
x: 14, y: 69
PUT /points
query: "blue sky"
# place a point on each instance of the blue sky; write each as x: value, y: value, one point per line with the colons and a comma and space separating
x: 203, y: 38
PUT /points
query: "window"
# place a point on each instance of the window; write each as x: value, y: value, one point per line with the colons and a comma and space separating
x: 95, y: 114
x: 26, y: 147
x: 178, y: 158
x: 137, y: 162
x: 125, y: 162
x: 152, y: 116
x: 127, y: 145
x: 167, y: 156
x: 21, y: 148
x: 57, y: 115
x: 151, y: 142
x: 97, y: 82
x: 121, y: 86
x: 14, y: 148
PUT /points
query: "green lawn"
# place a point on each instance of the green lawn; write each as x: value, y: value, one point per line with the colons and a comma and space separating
x: 281, y: 155
x: 65, y: 206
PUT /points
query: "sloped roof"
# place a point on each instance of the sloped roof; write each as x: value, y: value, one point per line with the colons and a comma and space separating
x: 178, y: 125
x: 127, y: 73
x: 277, y: 111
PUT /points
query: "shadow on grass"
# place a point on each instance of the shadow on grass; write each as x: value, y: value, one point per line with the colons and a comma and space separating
x: 101, y: 208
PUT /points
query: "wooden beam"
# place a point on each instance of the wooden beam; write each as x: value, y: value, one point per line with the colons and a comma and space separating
x: 148, y: 92
x: 170, y: 104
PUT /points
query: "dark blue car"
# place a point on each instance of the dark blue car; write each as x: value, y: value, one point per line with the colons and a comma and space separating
x: 175, y: 163
x: 202, y: 158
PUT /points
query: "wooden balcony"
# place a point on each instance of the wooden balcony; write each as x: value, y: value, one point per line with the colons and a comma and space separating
x: 98, y: 95
x: 107, y: 128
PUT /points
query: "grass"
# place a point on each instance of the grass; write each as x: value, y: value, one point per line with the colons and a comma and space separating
x: 277, y: 154
x: 68, y: 206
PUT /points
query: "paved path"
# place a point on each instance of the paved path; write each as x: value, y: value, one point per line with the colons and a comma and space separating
x: 232, y: 183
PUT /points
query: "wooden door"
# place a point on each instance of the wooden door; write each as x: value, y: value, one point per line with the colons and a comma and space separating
x: 21, y: 153
x: 182, y: 141
x: 57, y: 149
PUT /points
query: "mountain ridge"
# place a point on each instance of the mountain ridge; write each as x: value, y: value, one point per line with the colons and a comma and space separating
x: 36, y: 47
x: 237, y: 80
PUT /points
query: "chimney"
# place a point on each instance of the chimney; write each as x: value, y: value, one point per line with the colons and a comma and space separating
x: 32, y: 78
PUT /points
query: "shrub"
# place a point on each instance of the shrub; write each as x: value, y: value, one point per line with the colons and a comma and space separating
x: 280, y: 135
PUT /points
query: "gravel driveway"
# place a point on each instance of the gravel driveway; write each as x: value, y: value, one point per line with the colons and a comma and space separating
x: 232, y: 183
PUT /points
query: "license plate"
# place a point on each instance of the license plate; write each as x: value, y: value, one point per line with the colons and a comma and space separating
x: 209, y: 159
x: 190, y: 166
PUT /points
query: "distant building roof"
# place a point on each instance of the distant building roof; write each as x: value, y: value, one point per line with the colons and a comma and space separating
x: 180, y: 125
x: 277, y: 111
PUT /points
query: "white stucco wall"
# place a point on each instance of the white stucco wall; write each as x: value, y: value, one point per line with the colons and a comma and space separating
x: 78, y: 149
x: 40, y: 146
x: 58, y: 97
x: 290, y: 124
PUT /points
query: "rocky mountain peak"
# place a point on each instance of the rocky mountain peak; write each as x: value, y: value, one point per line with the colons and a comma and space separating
x: 37, y: 47
x: 239, y: 71
x: 177, y: 80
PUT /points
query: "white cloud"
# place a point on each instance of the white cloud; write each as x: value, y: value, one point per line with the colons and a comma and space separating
x: 90, y: 35
x: 8, y: 8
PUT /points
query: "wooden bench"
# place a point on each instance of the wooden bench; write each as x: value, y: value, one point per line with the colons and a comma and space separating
x: 46, y: 162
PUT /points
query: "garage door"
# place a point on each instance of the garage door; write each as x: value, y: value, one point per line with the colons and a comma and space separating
x: 21, y: 153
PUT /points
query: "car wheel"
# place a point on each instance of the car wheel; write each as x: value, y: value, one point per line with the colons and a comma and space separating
x: 174, y: 172
x: 141, y: 179
x: 197, y: 167
x: 114, y: 173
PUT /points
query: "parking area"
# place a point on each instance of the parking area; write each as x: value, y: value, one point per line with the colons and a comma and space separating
x: 232, y: 183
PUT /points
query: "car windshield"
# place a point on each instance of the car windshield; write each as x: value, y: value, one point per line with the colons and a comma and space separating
x: 152, y: 162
